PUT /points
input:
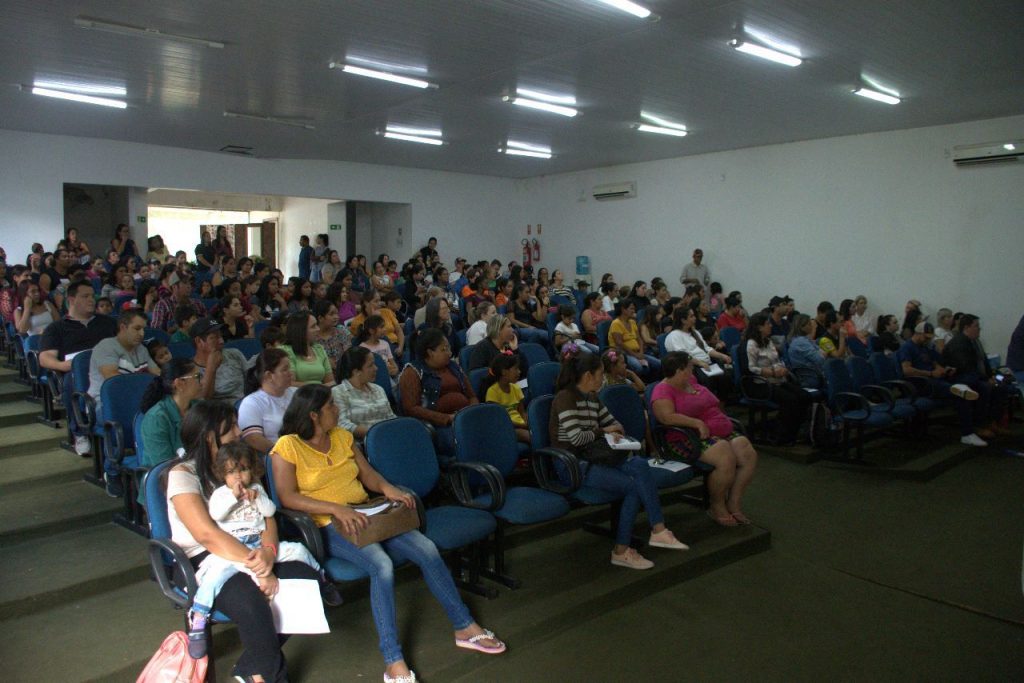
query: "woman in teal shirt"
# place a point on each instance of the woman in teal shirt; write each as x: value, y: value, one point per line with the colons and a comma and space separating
x: 163, y: 405
x: 309, y: 360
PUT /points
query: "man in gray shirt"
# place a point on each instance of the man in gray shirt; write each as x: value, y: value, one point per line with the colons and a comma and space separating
x: 222, y: 370
x: 696, y: 273
x: 123, y: 354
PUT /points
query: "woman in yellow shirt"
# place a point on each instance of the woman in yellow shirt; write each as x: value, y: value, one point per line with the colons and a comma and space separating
x: 319, y: 470
x: 624, y: 336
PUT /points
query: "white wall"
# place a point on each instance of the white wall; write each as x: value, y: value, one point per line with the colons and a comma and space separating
x: 299, y: 216
x: 391, y: 229
x: 887, y: 215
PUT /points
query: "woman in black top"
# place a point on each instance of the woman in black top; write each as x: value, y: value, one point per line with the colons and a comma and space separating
x: 206, y: 255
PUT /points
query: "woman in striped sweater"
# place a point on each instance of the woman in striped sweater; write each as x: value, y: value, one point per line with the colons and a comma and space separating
x: 579, y: 424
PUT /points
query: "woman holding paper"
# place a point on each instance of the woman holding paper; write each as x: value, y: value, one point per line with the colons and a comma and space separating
x: 207, y: 426
x: 681, y: 401
x: 319, y: 470
x: 583, y: 426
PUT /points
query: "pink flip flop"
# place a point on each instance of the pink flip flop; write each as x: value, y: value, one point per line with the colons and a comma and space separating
x: 474, y: 643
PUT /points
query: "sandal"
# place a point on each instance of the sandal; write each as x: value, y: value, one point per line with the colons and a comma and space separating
x: 474, y: 643
x: 724, y: 520
x: 741, y: 518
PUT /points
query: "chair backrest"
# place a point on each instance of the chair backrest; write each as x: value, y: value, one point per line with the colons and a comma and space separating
x: 383, y: 378
x: 476, y: 380
x: 120, y: 400
x: 248, y: 347
x: 662, y: 351
x: 538, y: 413
x: 484, y: 433
x: 158, y: 334
x: 729, y: 335
x: 884, y: 367
x: 580, y: 300
x: 258, y: 328
x: 626, y: 407
x: 559, y: 300
x: 182, y: 350
x: 156, y: 499
x: 403, y: 452
x: 857, y: 347
x: 137, y: 435
x: 739, y: 364
x: 602, y: 334
x: 550, y: 320
x: 533, y: 353
x: 860, y: 371
x: 210, y: 304
x: 464, y: 355
x: 648, y: 393
x: 80, y: 371
x: 837, y: 379
x: 460, y: 335
x: 541, y: 377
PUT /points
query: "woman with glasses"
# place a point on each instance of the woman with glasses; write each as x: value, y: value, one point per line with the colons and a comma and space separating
x: 163, y: 406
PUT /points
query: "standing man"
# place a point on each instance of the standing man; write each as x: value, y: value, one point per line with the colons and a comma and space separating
x: 79, y: 330
x: 696, y: 273
x: 123, y: 354
x: 305, y: 257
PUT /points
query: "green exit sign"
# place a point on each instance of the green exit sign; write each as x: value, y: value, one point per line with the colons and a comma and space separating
x: 335, y: 226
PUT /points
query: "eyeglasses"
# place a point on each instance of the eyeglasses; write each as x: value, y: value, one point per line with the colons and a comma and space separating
x: 193, y: 376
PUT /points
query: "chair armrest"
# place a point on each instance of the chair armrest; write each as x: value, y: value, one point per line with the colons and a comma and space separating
x: 901, y: 388
x: 753, y: 387
x: 458, y: 477
x: 843, y: 398
x: 878, y: 394
x: 738, y: 426
x: 543, y: 461
x: 56, y: 382
x: 85, y: 414
x: 113, y: 440
x: 420, y: 510
x: 32, y: 365
x: 158, y: 548
x: 307, y: 529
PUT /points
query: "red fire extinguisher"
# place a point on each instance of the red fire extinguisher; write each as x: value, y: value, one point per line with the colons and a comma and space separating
x: 527, y: 252
x: 536, y: 250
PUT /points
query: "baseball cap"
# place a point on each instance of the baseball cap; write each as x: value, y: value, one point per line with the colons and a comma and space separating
x: 203, y: 327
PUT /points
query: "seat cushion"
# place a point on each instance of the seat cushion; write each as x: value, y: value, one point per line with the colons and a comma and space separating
x: 590, y: 495
x: 451, y: 526
x: 342, y: 570
x: 528, y: 505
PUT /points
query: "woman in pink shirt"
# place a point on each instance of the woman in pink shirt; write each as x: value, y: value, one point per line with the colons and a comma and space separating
x: 680, y: 401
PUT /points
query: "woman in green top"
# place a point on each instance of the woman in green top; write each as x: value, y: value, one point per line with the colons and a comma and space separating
x: 163, y: 405
x: 309, y: 360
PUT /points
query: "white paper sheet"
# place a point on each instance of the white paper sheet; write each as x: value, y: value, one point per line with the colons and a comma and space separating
x: 376, y: 509
x: 671, y: 465
x: 523, y: 384
x: 714, y: 370
x: 298, y: 608
x: 623, y: 444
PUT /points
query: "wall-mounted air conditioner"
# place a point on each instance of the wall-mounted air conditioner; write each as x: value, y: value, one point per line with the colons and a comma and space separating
x: 988, y: 153
x: 615, y: 191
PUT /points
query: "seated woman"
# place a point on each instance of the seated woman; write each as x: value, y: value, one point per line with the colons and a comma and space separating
x: 308, y: 358
x: 527, y: 317
x: 163, y: 406
x: 624, y: 336
x: 207, y: 426
x: 439, y: 317
x: 685, y: 337
x: 318, y: 469
x: 558, y: 286
x: 34, y: 313
x: 889, y: 341
x: 478, y: 330
x: 680, y: 401
x: 763, y: 361
x: 579, y: 423
x: 434, y: 388
x: 261, y: 412
x: 334, y: 338
x: 269, y: 299
x: 650, y: 328
x: 593, y: 315
x: 361, y: 403
x: 500, y: 338
x: 806, y: 358
x: 232, y: 319
x: 369, y: 304
x: 302, y: 295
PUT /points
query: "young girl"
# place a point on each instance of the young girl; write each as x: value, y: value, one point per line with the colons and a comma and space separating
x: 500, y: 387
x: 650, y: 328
x: 567, y: 330
x: 206, y: 289
x: 371, y: 337
x: 240, y: 507
x: 716, y: 303
x: 616, y: 372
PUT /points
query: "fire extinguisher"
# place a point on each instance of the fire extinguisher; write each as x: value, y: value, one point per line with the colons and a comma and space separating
x: 536, y: 250
x: 527, y: 252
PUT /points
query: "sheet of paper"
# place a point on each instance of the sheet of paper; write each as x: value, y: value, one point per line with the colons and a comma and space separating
x: 623, y: 444
x: 71, y: 355
x: 671, y: 465
x: 298, y: 608
x: 522, y: 384
x: 713, y: 371
x: 375, y: 510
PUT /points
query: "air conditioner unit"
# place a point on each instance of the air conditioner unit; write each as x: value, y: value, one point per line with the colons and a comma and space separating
x: 988, y: 153
x: 615, y: 191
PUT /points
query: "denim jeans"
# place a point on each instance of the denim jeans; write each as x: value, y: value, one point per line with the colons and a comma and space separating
x: 631, y: 478
x: 652, y: 370
x: 376, y: 560
x: 533, y: 335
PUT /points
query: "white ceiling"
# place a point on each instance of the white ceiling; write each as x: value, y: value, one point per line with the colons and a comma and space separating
x: 951, y: 60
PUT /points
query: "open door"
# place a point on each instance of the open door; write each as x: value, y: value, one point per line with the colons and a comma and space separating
x: 257, y: 240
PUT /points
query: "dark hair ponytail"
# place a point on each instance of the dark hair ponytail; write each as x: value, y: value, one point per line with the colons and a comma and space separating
x: 499, y: 364
x: 350, y: 361
x: 574, y: 366
x: 268, y: 359
x: 164, y: 384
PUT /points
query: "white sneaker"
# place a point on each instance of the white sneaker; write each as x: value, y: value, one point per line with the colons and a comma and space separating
x: 973, y: 440
x: 666, y: 539
x: 83, y: 445
x: 631, y: 559
x: 964, y: 392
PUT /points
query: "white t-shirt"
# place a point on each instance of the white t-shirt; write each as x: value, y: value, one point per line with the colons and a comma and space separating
x: 183, y: 479
x: 476, y: 332
x: 261, y: 413
x: 677, y: 340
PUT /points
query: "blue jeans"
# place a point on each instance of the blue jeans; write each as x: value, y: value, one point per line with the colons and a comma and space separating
x: 633, y: 479
x: 653, y: 368
x: 533, y: 335
x: 376, y: 560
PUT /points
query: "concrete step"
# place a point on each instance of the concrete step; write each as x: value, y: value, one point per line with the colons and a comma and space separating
x: 52, y: 466
x: 15, y: 413
x: 90, y: 638
x: 13, y: 391
x: 70, y: 566
x: 29, y: 438
x: 54, y: 508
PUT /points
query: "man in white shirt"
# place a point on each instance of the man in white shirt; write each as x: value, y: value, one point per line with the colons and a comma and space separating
x: 696, y: 273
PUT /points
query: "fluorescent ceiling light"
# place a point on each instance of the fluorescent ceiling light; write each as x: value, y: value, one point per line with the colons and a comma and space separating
x: 1009, y: 147
x: 81, y: 88
x: 526, y: 149
x: 568, y: 100
x: 765, y: 52
x: 542, y: 106
x: 143, y: 32
x: 409, y: 130
x: 77, y: 97
x: 386, y: 66
x: 660, y: 121
x: 629, y: 7
x: 661, y: 130
x: 382, y: 75
x: 298, y: 123
x: 877, y: 96
x: 412, y: 138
